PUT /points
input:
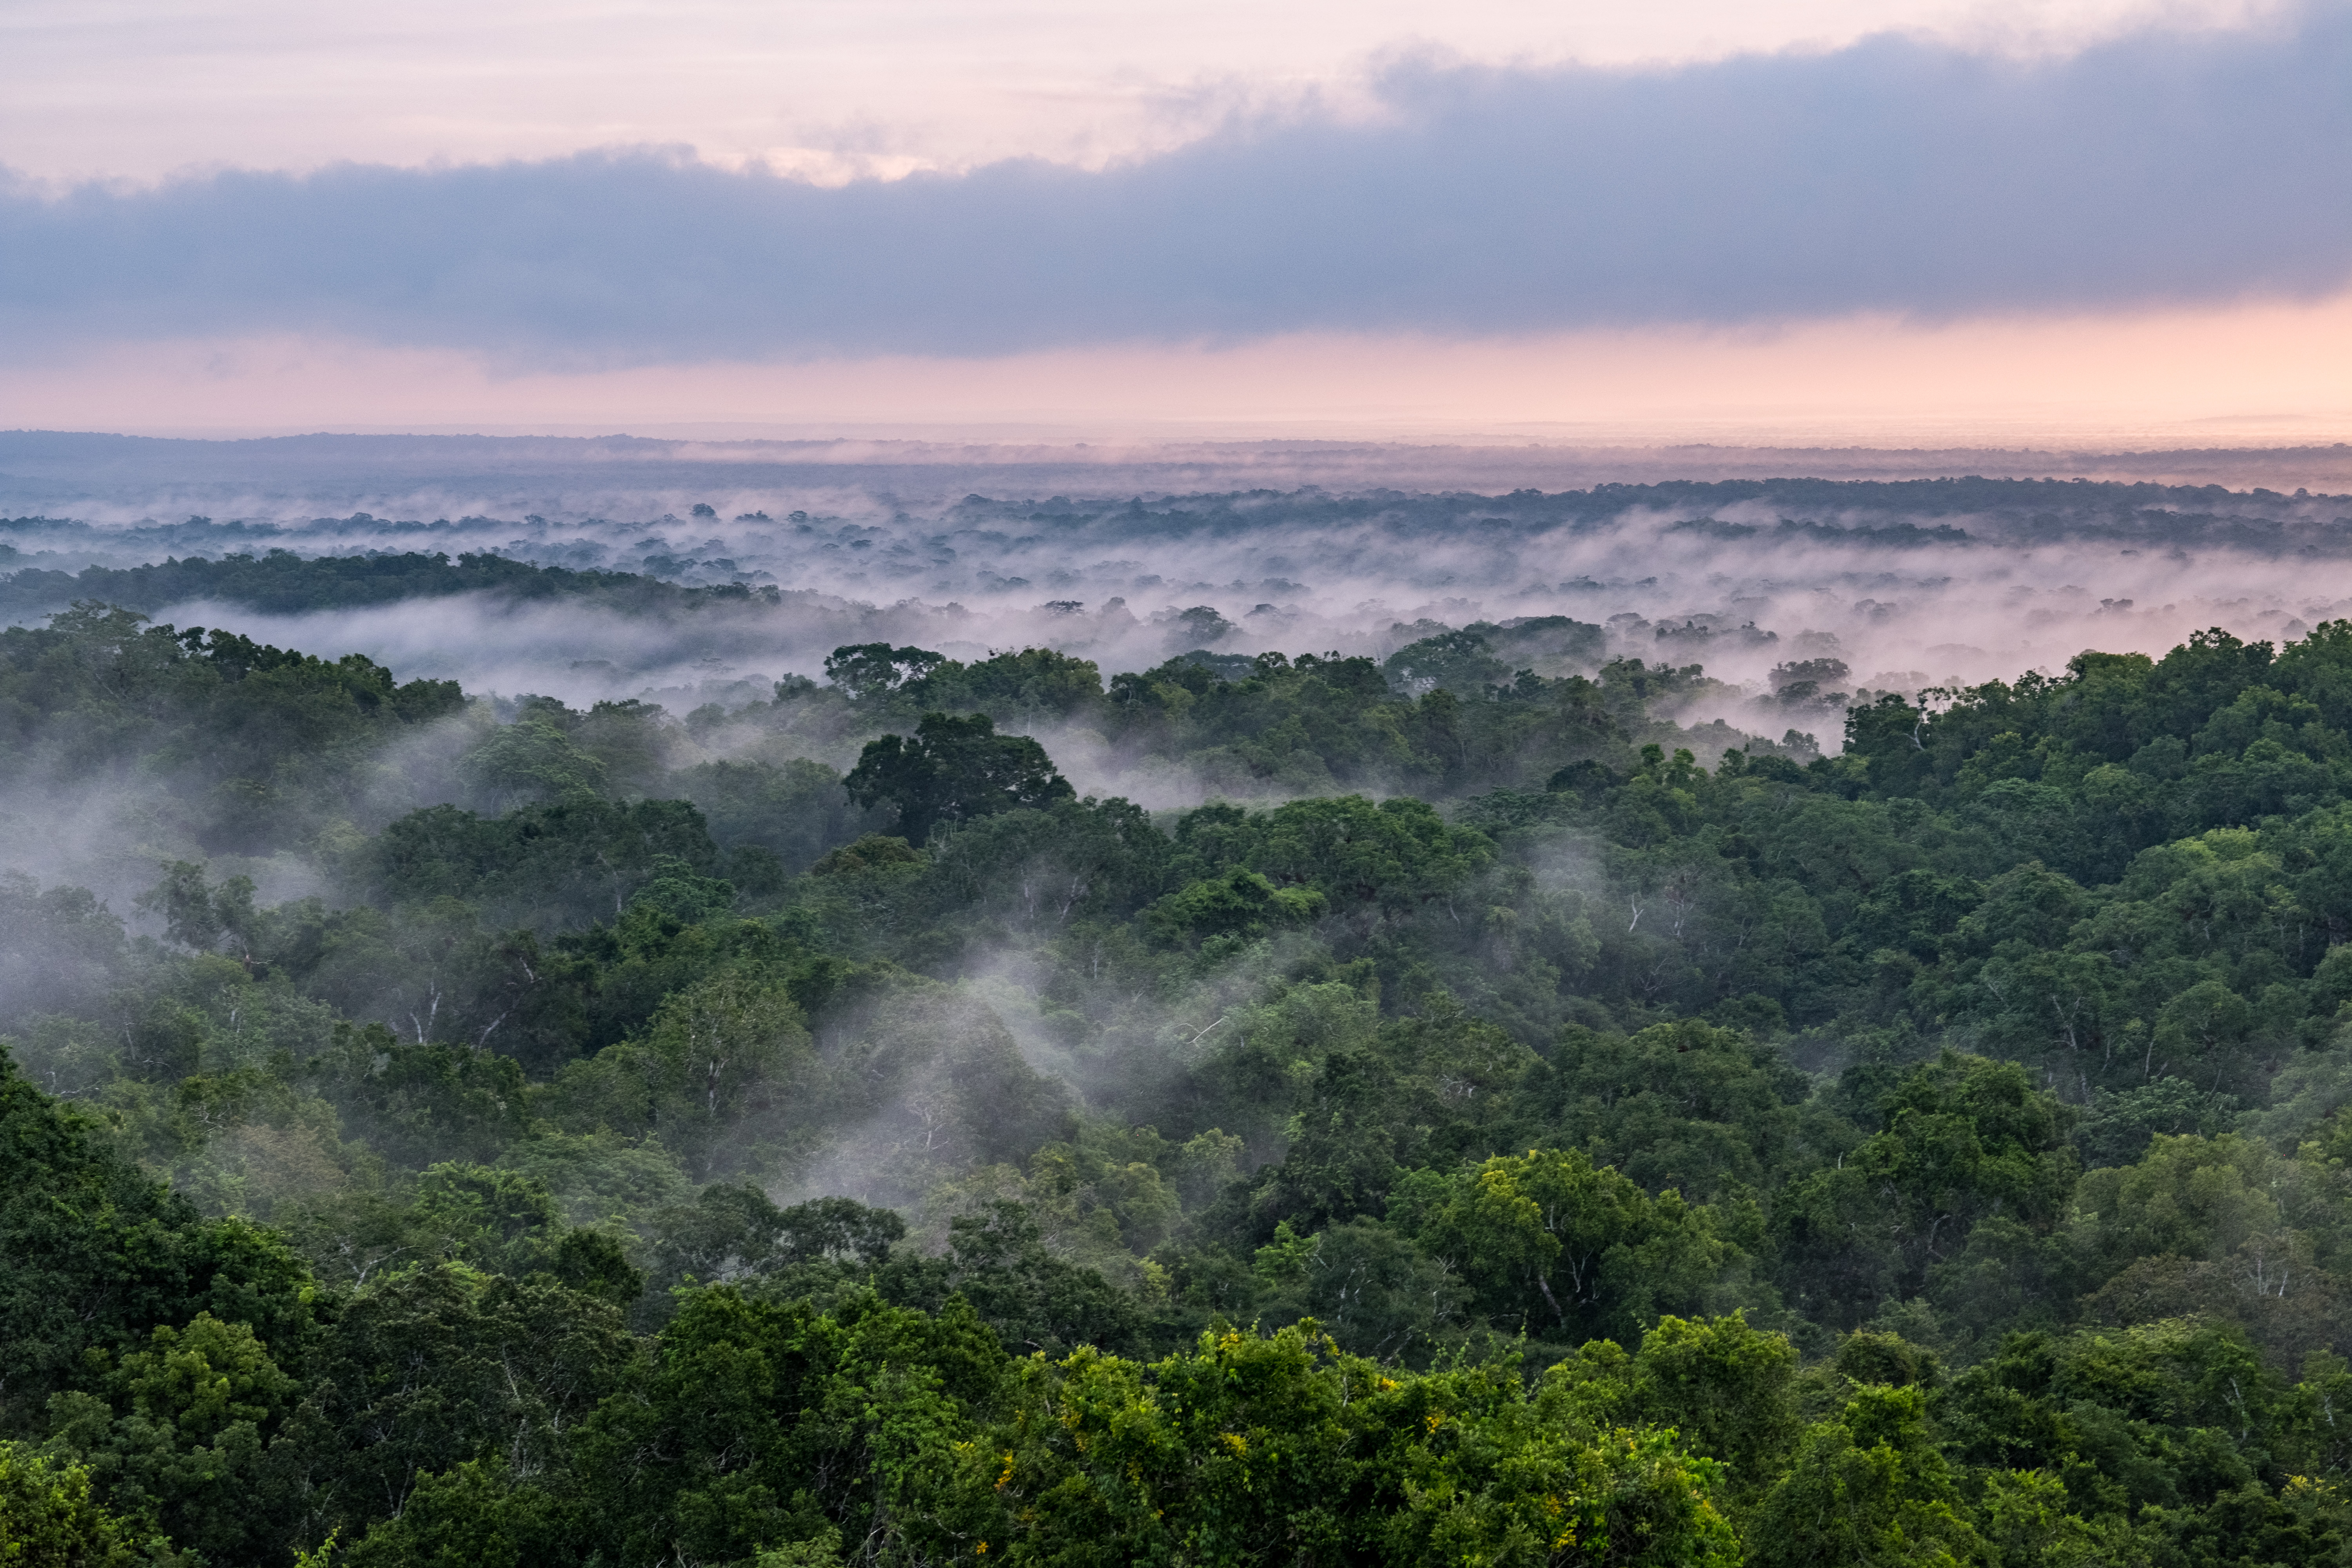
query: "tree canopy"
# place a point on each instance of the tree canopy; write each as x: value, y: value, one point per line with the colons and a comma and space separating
x: 1507, y: 1125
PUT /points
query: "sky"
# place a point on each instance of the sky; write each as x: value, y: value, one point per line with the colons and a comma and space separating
x: 1883, y: 222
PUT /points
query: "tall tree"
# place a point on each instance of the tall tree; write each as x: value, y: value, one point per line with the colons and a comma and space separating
x: 953, y: 770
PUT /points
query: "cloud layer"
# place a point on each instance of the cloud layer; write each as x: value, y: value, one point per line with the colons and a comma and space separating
x: 1895, y: 175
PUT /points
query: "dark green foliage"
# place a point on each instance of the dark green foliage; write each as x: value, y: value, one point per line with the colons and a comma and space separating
x: 796, y: 811
x: 1044, y: 869
x: 438, y: 1366
x: 953, y: 770
x: 552, y: 866
x: 95, y: 1255
x: 281, y: 580
x: 1486, y: 661
x: 873, y: 670
x: 1962, y: 1140
x: 734, y: 1233
x: 1032, y: 684
x: 997, y: 1261
x: 869, y: 852
x: 760, y: 1422
x: 1458, y: 662
x: 416, y: 1102
x: 1707, y: 1111
x: 264, y: 744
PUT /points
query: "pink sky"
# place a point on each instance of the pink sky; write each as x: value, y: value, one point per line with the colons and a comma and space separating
x: 2252, y: 374
x: 129, y: 92
x: 137, y: 88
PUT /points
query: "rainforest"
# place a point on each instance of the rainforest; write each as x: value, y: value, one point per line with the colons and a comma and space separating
x: 1507, y: 1117
x: 1195, y: 783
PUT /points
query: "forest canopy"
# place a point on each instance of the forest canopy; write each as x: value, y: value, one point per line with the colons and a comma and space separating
x: 1504, y: 1124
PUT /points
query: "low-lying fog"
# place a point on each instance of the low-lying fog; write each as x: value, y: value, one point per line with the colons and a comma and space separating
x: 1903, y: 590
x: 1897, y: 620
x: 1796, y: 596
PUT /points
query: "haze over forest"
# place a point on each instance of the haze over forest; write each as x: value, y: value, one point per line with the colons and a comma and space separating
x: 1711, y: 984
x: 693, y: 573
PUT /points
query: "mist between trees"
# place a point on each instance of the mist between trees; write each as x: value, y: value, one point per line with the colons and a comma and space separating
x: 1520, y: 1118
x: 687, y: 583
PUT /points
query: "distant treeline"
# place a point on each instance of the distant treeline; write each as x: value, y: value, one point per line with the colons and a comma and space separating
x: 282, y: 582
x: 1853, y: 511
x: 212, y: 558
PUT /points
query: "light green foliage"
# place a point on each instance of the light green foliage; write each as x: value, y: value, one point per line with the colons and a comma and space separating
x: 1239, y: 904
x: 467, y: 1516
x: 203, y: 1378
x: 179, y: 1432
x: 49, y: 1518
x: 1249, y: 1443
x: 1726, y: 1388
x: 491, y: 1218
x: 1573, y: 1250
x: 1868, y: 1488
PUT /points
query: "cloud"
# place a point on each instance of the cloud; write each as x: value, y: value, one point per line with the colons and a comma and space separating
x: 1897, y: 175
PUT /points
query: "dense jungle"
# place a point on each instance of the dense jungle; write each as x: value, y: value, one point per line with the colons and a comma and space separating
x: 1514, y: 1121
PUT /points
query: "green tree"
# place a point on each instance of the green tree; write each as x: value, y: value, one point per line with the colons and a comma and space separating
x: 182, y: 1440
x: 1728, y: 1390
x: 1552, y: 1241
x: 1868, y: 1488
x: 49, y: 1518
x: 1241, y: 903
x: 1248, y: 1447
x: 1963, y: 1140
x: 870, y: 671
x: 473, y: 1516
x: 953, y: 770
x: 429, y: 1369
x: 532, y: 760
x: 95, y: 1255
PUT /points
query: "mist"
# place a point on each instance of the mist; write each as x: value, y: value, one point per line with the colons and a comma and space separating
x: 1783, y: 601
x: 1908, y: 581
x: 605, y: 706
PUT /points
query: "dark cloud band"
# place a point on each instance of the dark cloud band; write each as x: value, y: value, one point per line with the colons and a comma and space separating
x: 1893, y: 175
